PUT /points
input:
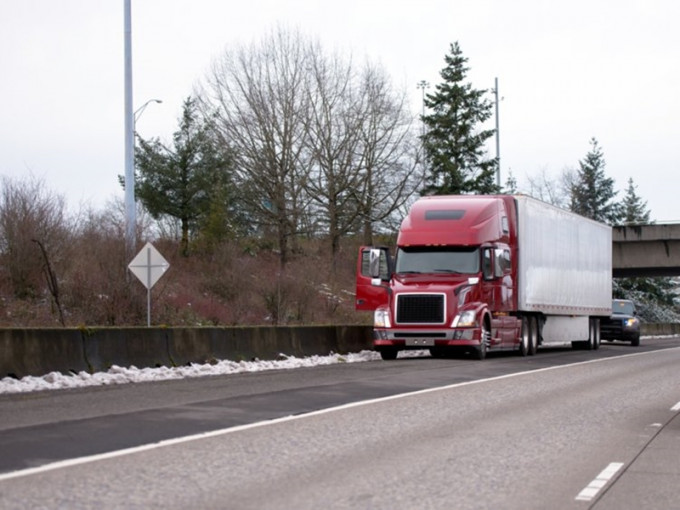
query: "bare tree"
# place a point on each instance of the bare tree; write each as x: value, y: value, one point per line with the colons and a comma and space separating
x: 33, y: 229
x: 553, y: 191
x: 318, y: 146
x: 100, y: 290
x: 364, y: 159
x: 256, y: 97
x: 391, y: 170
x: 336, y: 115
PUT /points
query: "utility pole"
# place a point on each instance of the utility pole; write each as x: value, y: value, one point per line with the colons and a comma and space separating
x: 498, y: 142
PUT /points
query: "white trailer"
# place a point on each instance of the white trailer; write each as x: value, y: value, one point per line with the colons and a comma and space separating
x: 564, y: 270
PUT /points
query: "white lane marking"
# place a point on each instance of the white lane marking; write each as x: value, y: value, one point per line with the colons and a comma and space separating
x: 676, y: 407
x: 215, y: 433
x: 600, y: 481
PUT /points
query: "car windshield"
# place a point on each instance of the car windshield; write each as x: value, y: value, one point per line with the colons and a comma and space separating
x: 623, y: 307
x: 444, y: 260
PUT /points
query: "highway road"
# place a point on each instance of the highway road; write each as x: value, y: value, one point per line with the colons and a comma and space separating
x: 562, y: 429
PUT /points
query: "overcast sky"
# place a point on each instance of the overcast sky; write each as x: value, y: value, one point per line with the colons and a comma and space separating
x: 567, y: 71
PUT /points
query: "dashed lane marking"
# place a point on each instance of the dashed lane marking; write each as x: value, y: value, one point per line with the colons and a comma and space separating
x: 600, y: 481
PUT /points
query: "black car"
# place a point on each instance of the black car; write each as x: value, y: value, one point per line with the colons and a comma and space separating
x: 623, y: 324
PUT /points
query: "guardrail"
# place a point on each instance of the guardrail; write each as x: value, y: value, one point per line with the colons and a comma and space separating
x: 70, y: 350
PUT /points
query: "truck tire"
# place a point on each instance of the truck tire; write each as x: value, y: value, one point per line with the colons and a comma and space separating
x: 533, y: 335
x: 480, y: 350
x: 593, y: 341
x: 388, y: 354
x: 437, y: 352
x: 525, y: 337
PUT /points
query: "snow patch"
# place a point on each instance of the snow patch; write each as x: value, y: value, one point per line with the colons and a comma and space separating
x: 123, y: 375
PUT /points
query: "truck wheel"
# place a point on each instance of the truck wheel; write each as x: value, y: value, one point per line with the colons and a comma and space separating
x: 436, y: 352
x: 388, y: 354
x: 480, y: 350
x: 635, y: 341
x: 525, y: 338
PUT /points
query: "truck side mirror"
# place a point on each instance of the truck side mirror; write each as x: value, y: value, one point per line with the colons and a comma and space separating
x: 374, y: 262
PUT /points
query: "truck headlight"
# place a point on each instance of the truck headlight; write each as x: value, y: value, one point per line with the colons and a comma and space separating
x: 630, y: 323
x: 465, y: 320
x: 381, y: 319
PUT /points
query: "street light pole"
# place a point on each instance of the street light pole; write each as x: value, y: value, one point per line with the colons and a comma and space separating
x: 130, y: 211
x: 422, y: 84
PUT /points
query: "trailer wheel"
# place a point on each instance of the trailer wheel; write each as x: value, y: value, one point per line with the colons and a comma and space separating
x: 388, y: 354
x: 596, y: 334
x: 525, y: 338
x: 591, y: 344
x: 533, y: 335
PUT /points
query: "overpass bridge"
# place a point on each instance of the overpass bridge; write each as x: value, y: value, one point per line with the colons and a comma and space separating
x: 646, y: 250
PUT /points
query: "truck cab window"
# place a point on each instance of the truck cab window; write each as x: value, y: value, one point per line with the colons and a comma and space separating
x: 487, y: 263
x: 501, y: 262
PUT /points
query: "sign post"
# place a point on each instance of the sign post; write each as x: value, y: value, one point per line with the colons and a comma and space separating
x: 148, y: 266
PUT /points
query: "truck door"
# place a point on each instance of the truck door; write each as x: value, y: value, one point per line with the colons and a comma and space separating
x: 369, y: 296
x: 498, y: 293
x: 491, y: 291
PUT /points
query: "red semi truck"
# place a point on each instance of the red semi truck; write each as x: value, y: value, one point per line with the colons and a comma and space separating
x: 487, y: 272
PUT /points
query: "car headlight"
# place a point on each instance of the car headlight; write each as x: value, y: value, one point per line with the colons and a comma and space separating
x: 381, y: 319
x: 465, y: 319
x: 630, y: 323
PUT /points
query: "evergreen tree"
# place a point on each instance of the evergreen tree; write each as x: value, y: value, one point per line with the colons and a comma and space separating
x: 633, y: 209
x: 190, y: 182
x: 453, y: 142
x: 592, y: 193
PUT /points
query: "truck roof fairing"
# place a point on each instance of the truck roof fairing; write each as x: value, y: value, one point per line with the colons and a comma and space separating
x: 458, y: 220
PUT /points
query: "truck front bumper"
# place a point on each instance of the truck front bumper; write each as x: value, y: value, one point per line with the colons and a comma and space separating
x: 425, y: 339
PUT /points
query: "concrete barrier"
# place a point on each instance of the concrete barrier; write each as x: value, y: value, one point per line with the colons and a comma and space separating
x: 40, y: 351
x: 141, y: 347
x: 652, y: 329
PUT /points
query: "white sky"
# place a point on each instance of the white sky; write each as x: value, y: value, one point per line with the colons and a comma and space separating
x: 567, y: 71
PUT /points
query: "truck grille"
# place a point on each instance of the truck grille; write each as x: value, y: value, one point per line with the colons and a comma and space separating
x: 420, y: 308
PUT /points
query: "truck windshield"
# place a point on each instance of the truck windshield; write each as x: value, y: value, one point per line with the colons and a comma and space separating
x: 429, y: 259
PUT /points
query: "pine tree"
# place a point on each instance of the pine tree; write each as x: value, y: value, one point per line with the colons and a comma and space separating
x: 633, y: 209
x: 190, y: 182
x: 592, y: 193
x: 454, y: 144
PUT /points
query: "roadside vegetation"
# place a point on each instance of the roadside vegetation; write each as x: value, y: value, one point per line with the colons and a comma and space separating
x: 286, y: 159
